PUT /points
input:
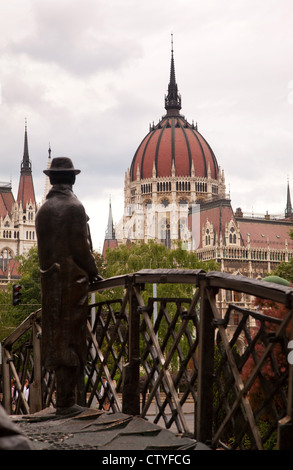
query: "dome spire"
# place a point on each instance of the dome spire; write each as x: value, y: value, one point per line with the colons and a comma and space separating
x: 173, y: 98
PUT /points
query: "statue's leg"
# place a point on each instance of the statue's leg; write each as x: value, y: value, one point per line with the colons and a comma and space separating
x: 66, y: 381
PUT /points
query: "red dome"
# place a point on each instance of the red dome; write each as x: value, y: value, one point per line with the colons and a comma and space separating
x: 174, y: 140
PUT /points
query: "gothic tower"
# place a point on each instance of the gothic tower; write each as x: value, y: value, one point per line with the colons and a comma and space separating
x: 26, y: 193
x: 17, y: 219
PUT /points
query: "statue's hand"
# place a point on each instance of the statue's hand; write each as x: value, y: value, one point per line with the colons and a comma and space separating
x: 96, y: 279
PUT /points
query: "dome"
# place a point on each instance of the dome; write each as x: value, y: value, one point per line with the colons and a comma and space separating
x: 173, y: 142
x: 173, y: 147
x: 277, y: 280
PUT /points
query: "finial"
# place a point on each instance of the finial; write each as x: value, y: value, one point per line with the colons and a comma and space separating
x: 173, y: 99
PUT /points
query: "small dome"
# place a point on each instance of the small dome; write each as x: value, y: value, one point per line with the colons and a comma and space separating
x: 277, y: 280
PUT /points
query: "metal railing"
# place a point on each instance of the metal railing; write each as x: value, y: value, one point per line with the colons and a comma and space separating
x: 172, y: 349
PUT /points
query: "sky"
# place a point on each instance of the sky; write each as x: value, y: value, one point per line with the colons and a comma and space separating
x: 89, y: 76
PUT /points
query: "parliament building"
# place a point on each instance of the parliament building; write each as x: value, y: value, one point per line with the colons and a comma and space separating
x: 175, y: 190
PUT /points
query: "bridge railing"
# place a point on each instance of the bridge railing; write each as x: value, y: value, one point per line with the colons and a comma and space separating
x: 170, y: 349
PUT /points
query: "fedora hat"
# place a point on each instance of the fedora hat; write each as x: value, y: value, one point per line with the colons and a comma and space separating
x: 61, y: 164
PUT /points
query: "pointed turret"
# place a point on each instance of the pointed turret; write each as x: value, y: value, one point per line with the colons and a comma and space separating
x: 110, y: 231
x: 26, y: 192
x: 288, y: 211
x: 26, y: 167
x: 110, y: 237
x: 173, y: 98
x: 47, y: 182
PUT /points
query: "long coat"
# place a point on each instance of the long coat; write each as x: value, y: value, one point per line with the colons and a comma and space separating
x: 67, y: 265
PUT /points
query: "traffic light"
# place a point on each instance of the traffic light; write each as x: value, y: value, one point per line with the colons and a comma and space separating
x: 16, y: 294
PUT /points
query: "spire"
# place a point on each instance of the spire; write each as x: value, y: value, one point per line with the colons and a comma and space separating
x: 110, y: 231
x: 173, y: 98
x: 288, y: 211
x: 110, y: 236
x: 26, y: 192
x: 26, y: 168
x: 47, y: 181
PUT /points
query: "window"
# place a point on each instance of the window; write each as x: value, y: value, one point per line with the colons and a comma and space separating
x: 165, y: 232
x: 182, y: 224
x: 232, y: 236
x: 5, y: 256
x: 165, y: 202
x: 208, y: 237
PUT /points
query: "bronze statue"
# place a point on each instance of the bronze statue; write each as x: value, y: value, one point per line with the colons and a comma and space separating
x: 67, y: 267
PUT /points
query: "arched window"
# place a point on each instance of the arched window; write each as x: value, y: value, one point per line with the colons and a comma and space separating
x: 208, y: 237
x: 6, y: 255
x: 232, y: 236
x: 165, y: 232
x: 182, y: 224
x: 165, y: 202
x: 183, y: 202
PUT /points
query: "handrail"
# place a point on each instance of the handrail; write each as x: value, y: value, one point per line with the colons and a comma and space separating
x: 176, y: 348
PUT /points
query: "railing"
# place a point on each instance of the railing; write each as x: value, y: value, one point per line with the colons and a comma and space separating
x: 171, y: 349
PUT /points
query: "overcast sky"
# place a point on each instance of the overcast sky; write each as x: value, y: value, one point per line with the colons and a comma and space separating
x: 90, y: 76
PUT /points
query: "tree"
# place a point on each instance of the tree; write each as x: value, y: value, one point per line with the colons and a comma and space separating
x: 131, y: 258
x: 7, y: 320
x: 152, y: 255
x: 265, y: 381
x: 30, y: 282
x: 285, y: 268
x: 121, y: 260
x: 272, y: 309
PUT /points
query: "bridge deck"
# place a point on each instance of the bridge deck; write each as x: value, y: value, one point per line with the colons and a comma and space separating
x: 98, y: 430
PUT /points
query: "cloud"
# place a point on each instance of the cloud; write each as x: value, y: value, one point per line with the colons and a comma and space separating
x: 71, y: 35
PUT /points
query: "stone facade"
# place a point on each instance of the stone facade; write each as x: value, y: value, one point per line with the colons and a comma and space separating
x: 17, y: 220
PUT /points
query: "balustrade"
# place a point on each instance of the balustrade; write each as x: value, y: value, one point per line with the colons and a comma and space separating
x: 173, y: 349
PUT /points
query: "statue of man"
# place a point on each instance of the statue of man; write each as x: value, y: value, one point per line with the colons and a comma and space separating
x: 67, y: 267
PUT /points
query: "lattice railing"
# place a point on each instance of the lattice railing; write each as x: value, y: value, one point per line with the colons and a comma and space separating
x: 170, y: 350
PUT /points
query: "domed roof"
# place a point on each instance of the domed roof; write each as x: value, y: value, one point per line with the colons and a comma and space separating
x: 277, y: 280
x: 174, y: 141
x: 173, y: 144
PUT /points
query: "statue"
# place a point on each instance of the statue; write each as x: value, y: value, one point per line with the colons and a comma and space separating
x: 11, y: 438
x: 67, y: 267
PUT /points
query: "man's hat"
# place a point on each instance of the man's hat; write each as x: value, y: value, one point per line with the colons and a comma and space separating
x: 61, y: 164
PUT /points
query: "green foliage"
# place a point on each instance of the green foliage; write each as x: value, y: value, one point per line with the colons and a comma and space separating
x: 152, y: 255
x: 122, y: 260
x: 30, y: 282
x: 10, y: 316
x: 131, y: 258
x: 284, y: 270
x: 7, y: 321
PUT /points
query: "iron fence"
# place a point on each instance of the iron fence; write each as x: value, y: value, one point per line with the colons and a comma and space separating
x: 171, y: 349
